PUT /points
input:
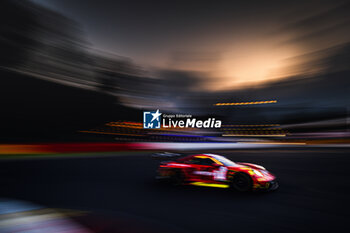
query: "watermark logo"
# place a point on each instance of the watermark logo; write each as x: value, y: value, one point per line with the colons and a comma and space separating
x: 157, y: 120
x: 151, y: 120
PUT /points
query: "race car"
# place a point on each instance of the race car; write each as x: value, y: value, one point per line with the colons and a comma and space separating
x: 216, y: 171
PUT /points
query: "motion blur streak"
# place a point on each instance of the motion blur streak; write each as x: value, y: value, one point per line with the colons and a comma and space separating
x: 105, y: 94
x: 253, y: 135
x: 21, y: 216
x: 77, y: 76
x: 251, y: 125
x: 209, y: 185
x: 248, y: 103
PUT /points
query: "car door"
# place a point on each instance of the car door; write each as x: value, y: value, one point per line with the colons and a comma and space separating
x: 212, y: 170
x: 203, y: 169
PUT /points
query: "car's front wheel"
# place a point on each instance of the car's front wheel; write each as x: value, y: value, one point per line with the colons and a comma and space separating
x: 242, y: 182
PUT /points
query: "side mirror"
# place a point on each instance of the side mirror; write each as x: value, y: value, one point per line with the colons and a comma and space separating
x: 216, y: 165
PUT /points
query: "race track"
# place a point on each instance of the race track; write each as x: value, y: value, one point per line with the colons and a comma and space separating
x: 120, y: 194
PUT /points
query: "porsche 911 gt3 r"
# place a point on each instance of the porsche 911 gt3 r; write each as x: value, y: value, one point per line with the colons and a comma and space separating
x: 217, y: 171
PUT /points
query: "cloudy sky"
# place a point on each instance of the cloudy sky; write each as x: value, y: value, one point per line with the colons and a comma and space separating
x: 229, y: 43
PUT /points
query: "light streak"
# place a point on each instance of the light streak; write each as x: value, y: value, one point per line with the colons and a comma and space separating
x: 210, y: 185
x: 247, y: 103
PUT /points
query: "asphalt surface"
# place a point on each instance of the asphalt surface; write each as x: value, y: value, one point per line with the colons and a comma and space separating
x: 120, y: 194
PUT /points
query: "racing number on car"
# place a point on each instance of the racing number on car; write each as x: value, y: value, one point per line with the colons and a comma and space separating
x: 220, y: 174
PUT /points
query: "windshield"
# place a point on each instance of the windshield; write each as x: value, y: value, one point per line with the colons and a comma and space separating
x: 223, y: 160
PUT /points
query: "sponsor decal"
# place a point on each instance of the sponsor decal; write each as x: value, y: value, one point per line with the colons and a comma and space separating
x: 204, y: 173
x: 219, y: 175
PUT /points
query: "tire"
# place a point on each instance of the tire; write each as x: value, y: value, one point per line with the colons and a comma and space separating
x: 242, y: 182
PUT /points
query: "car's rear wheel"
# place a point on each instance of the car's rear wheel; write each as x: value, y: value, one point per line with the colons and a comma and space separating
x: 242, y: 182
x: 177, y: 178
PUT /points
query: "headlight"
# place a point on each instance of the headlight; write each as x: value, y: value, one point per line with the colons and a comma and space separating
x: 257, y: 173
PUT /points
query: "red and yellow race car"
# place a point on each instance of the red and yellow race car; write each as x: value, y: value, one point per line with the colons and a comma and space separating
x: 216, y: 171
